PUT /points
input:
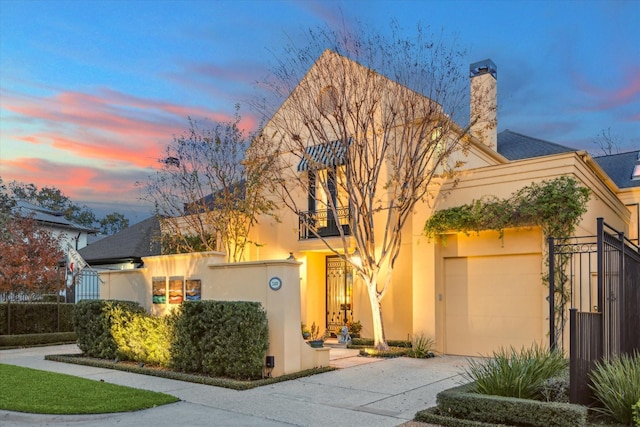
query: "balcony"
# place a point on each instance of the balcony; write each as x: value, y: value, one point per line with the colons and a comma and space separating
x: 321, y: 223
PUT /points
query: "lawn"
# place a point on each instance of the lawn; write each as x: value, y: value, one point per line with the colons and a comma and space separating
x: 41, y: 392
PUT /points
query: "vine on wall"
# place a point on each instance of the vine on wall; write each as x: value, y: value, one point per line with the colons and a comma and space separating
x: 556, y: 206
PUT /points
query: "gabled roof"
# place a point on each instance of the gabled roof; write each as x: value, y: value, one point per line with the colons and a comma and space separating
x: 48, y: 218
x: 515, y: 146
x: 130, y: 244
x: 620, y: 168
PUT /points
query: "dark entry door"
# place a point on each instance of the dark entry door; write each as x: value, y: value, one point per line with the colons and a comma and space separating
x: 339, y: 294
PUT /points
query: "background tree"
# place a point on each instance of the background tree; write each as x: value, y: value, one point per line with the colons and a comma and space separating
x: 210, y: 190
x: 29, y: 257
x: 112, y: 223
x: 53, y: 199
x: 607, y: 143
x: 384, y: 141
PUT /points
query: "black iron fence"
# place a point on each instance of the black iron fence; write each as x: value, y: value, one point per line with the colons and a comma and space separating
x: 598, y: 278
x: 323, y: 223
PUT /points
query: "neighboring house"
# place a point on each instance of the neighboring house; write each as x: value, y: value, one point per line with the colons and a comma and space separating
x: 125, y: 249
x: 74, y: 234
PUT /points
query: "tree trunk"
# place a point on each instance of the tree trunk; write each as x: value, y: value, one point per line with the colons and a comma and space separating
x: 379, y: 340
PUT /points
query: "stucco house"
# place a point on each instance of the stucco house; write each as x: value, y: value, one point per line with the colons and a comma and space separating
x: 475, y: 293
x: 472, y: 295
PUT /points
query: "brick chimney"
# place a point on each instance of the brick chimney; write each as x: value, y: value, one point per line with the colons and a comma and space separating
x: 484, y: 102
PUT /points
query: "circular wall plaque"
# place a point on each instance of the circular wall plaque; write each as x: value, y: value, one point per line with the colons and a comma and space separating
x: 275, y: 283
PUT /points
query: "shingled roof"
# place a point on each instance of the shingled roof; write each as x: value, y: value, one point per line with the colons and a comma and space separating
x: 128, y: 245
x: 516, y: 146
x: 620, y: 168
x: 48, y: 217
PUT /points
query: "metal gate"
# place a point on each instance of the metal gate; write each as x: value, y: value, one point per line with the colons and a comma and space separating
x: 600, y: 278
x: 87, y: 285
x: 339, y: 294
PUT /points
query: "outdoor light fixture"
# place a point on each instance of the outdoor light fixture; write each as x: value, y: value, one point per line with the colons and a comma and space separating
x: 291, y: 257
x: 356, y: 259
x: 270, y: 362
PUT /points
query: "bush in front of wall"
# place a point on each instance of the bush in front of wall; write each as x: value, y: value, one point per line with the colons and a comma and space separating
x: 515, y: 373
x: 93, y: 321
x: 142, y: 337
x: 421, y: 346
x: 221, y: 338
x: 616, y: 385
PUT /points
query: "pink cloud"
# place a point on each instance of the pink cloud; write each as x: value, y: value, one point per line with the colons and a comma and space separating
x: 109, y: 125
x: 605, y: 98
x: 76, y: 182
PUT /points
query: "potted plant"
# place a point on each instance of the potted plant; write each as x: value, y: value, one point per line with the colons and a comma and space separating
x: 316, y: 340
x: 305, y: 331
x: 354, y: 329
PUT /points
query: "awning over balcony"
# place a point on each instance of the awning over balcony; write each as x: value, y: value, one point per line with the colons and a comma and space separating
x: 333, y: 153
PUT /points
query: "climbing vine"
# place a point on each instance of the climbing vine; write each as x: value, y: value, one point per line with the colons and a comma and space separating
x: 556, y: 206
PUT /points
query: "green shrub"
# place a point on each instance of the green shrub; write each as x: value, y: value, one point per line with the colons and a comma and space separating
x: 433, y: 416
x: 462, y: 402
x: 93, y: 321
x: 390, y: 353
x: 142, y: 337
x: 513, y: 373
x: 37, y: 339
x: 421, y: 346
x: 556, y: 389
x: 222, y: 338
x: 616, y: 385
x: 368, y: 342
x: 636, y: 413
x: 35, y: 318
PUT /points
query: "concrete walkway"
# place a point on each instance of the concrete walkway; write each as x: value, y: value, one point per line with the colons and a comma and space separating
x: 365, y: 392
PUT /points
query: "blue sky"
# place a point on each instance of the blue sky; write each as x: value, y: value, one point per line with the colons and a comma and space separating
x: 92, y: 91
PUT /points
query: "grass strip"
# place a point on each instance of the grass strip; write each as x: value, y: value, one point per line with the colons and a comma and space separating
x: 41, y: 392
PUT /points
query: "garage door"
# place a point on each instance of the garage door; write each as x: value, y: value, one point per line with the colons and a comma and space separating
x: 492, y: 302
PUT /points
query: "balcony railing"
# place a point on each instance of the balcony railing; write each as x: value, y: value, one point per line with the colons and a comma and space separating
x: 322, y: 223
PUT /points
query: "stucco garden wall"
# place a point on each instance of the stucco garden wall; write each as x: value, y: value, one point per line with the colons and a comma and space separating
x: 248, y: 281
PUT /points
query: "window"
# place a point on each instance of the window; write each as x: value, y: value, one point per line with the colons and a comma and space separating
x: 328, y: 100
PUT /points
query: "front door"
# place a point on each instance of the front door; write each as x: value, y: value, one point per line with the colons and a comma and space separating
x: 339, y: 294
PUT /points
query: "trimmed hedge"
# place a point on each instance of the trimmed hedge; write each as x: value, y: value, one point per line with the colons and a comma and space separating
x: 37, y: 339
x: 434, y: 416
x: 221, y: 338
x: 459, y: 402
x: 142, y: 337
x: 368, y: 342
x: 35, y: 318
x: 93, y: 321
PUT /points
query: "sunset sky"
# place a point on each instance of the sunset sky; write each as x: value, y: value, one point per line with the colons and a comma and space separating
x: 92, y: 91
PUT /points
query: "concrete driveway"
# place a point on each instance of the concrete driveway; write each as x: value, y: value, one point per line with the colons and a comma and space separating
x: 364, y: 392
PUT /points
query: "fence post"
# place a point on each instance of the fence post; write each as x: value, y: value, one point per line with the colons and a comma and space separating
x: 552, y: 314
x: 574, y: 363
x: 600, y: 261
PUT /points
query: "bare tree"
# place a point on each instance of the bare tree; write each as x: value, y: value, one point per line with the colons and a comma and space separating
x: 210, y: 190
x: 361, y: 137
x: 607, y: 143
